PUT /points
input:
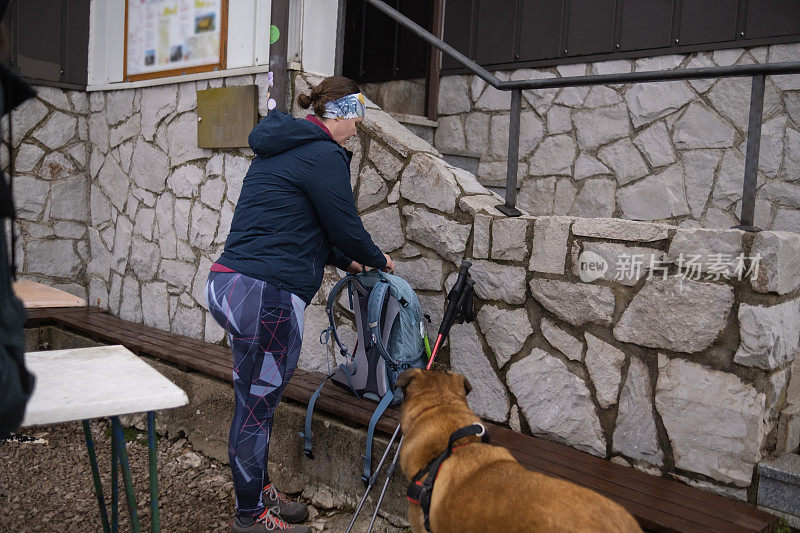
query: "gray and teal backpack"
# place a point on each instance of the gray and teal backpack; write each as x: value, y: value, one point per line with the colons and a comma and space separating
x: 390, y: 331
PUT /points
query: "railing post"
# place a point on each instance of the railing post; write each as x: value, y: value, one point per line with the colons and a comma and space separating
x: 509, y: 208
x: 279, y: 14
x: 753, y: 148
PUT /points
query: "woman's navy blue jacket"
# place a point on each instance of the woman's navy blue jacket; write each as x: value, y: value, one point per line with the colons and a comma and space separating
x: 296, y: 211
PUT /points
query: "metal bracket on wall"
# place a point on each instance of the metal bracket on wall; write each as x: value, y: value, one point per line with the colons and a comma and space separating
x: 226, y: 116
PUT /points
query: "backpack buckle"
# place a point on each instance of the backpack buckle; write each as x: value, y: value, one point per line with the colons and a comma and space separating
x: 325, y: 335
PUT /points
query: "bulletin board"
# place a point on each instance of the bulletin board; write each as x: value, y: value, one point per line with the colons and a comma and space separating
x: 174, y: 37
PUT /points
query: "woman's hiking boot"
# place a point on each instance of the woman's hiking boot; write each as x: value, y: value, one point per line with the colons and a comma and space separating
x: 290, y: 511
x: 269, y: 521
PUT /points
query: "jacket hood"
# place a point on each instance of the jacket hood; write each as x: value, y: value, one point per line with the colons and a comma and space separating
x: 280, y: 132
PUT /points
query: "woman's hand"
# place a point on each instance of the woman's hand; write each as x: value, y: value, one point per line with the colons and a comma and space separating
x: 389, y: 264
x: 355, y: 268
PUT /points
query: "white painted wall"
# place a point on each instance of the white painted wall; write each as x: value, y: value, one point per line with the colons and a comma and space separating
x: 319, y: 36
x: 248, y: 38
x: 311, y: 38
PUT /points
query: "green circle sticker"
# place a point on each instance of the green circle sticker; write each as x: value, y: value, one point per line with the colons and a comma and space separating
x: 274, y: 34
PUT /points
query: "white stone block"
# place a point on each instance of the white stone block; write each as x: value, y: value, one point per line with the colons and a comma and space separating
x: 499, y: 282
x: 604, y: 363
x: 656, y: 145
x: 595, y: 199
x: 700, y: 128
x: 676, y: 314
x: 554, y: 156
x: 576, y: 303
x: 372, y: 190
x: 509, y: 239
x: 635, y: 434
x: 597, y: 127
x: 481, y: 228
x: 506, y: 330
x: 556, y: 403
x: 385, y: 228
x: 779, y: 254
x: 650, y: 101
x: 656, y: 197
x: 769, y: 335
x: 549, y: 245
x: 715, y: 422
x: 562, y: 341
x: 623, y: 158
x: 488, y: 397
x: 427, y: 180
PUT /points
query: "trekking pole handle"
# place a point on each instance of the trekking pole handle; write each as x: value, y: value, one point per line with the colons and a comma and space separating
x: 454, y: 296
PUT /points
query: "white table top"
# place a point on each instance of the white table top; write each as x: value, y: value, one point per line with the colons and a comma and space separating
x: 84, y: 383
x: 35, y: 295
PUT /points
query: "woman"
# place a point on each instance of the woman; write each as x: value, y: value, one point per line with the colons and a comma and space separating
x: 295, y: 214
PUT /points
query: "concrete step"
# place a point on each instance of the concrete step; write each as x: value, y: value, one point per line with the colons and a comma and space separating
x: 462, y: 159
x: 418, y: 125
x: 779, y: 486
x: 426, y: 129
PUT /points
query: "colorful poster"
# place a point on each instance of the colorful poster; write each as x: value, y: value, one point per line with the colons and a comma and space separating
x: 172, y: 34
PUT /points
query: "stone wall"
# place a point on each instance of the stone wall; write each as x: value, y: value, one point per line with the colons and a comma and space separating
x: 672, y: 375
x: 51, y: 187
x: 680, y: 378
x: 661, y: 151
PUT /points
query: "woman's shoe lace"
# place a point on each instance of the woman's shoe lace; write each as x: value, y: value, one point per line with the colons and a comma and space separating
x: 272, y: 520
x: 273, y: 494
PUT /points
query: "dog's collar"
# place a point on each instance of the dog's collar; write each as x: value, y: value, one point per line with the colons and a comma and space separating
x: 420, y: 491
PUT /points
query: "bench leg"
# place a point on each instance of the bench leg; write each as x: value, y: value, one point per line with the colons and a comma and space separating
x: 98, y: 487
x: 114, y: 485
x: 155, y: 519
x: 126, y: 472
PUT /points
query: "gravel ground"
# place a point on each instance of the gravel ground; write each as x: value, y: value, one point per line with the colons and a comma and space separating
x: 48, y: 486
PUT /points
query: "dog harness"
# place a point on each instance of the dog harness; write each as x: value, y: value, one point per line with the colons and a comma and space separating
x: 420, y: 491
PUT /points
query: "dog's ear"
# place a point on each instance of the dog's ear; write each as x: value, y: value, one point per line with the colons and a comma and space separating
x: 406, y: 377
x: 467, y: 386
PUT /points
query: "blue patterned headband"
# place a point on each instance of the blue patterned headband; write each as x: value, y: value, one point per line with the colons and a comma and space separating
x: 350, y: 106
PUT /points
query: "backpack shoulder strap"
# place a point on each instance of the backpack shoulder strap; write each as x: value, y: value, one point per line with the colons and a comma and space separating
x: 348, y: 370
x: 374, y: 312
x: 306, y: 434
x: 347, y: 280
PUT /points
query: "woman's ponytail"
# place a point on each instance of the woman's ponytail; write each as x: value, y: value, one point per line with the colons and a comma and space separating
x: 328, y: 90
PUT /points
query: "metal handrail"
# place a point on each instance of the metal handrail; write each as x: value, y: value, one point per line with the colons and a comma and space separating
x: 757, y: 71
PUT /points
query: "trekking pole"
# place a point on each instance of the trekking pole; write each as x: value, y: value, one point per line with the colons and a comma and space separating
x: 389, y: 474
x: 456, y: 299
x: 374, y: 477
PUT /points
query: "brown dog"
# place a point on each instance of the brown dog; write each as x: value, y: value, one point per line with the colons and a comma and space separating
x: 480, y: 487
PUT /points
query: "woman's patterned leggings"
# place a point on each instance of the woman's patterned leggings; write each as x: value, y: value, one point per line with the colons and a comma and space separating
x: 265, y: 329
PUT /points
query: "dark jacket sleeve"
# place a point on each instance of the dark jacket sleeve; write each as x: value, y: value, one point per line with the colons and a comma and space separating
x: 328, y: 188
x: 338, y: 259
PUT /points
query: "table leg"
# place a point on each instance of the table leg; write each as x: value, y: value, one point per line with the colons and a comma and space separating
x: 98, y: 487
x: 116, y: 426
x: 114, y: 484
x: 155, y: 519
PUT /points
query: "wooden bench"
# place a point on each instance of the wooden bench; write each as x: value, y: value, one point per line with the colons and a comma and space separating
x: 659, y: 504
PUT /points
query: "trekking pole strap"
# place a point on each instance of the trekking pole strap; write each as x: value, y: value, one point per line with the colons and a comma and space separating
x: 453, y: 298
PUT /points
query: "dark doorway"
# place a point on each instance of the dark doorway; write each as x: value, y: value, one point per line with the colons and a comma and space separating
x: 378, y: 49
